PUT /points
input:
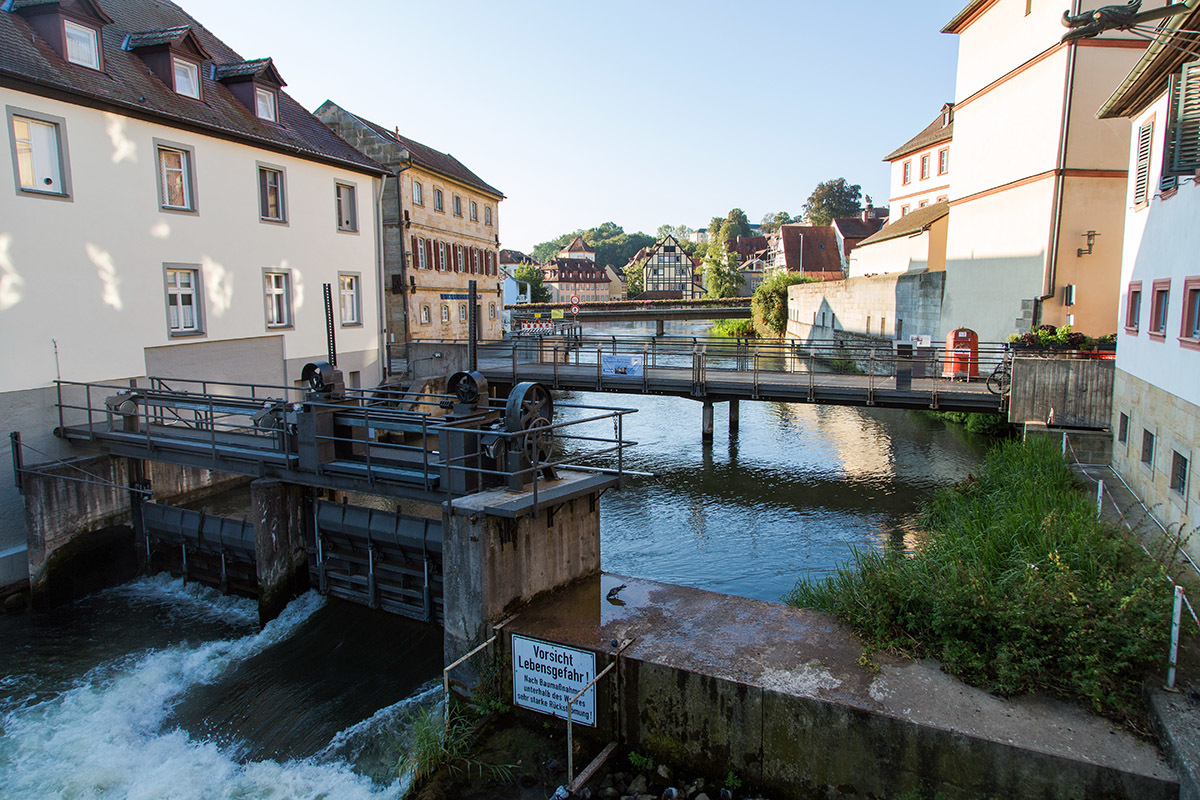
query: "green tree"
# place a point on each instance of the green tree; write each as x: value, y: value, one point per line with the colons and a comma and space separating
x: 833, y: 198
x: 532, y: 274
x: 714, y: 227
x: 610, y: 241
x: 680, y: 232
x: 771, y: 222
x: 769, y: 304
x: 721, y: 275
x: 740, y: 221
x: 635, y: 279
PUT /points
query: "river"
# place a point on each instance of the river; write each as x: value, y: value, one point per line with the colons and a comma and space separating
x: 160, y: 690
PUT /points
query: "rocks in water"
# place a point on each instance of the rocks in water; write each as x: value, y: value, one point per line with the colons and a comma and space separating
x: 639, y: 785
x: 701, y: 796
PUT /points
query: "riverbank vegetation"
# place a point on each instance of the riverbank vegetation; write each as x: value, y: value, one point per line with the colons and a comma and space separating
x: 769, y: 303
x: 735, y: 329
x: 1018, y: 589
x: 981, y: 424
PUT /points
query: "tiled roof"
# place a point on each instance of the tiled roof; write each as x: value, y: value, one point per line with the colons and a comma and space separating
x: 154, y: 38
x: 912, y: 222
x: 516, y: 257
x: 257, y: 68
x: 434, y: 160
x: 583, y: 271
x: 934, y: 133
x: 127, y: 86
x: 577, y: 245
x: 857, y: 228
x: 811, y: 248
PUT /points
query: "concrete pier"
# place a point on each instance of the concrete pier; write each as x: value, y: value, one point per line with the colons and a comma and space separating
x: 280, y: 558
x: 734, y: 417
x: 706, y: 422
x: 781, y: 697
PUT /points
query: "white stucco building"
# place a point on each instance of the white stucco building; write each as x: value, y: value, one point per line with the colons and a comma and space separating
x: 170, y: 212
x: 920, y: 168
x: 1156, y: 402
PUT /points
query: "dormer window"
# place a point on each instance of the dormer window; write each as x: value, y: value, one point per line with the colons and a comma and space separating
x: 264, y: 104
x: 83, y: 45
x: 187, y: 78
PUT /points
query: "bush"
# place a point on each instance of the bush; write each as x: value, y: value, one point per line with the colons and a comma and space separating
x: 769, y: 303
x: 982, y: 424
x: 736, y: 329
x: 1018, y: 589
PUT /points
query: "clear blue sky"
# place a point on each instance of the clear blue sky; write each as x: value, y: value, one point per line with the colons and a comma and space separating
x: 641, y: 113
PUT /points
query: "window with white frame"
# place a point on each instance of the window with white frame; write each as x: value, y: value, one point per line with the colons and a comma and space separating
x: 457, y: 206
x: 187, y: 78
x: 348, y: 294
x: 458, y: 258
x: 491, y: 310
x: 474, y: 211
x: 425, y: 315
x: 943, y: 161
x: 422, y: 259
x: 38, y: 153
x: 278, y: 290
x: 271, y: 195
x: 474, y: 261
x: 264, y: 104
x: 174, y: 179
x: 441, y: 256
x: 924, y: 167
x: 83, y: 45
x: 445, y: 313
x: 487, y: 215
x: 347, y: 208
x: 418, y: 195
x: 907, y: 172
x: 183, y: 301
x: 439, y: 200
x: 462, y: 312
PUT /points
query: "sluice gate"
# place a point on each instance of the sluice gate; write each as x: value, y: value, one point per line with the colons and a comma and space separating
x: 379, y: 559
x: 216, y: 551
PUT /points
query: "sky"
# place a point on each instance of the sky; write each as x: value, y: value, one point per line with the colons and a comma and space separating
x: 639, y: 113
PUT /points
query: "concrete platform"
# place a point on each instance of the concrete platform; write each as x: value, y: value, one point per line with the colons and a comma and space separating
x: 780, y: 696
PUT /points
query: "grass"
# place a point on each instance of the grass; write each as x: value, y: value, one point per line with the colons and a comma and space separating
x: 1018, y: 589
x: 736, y: 329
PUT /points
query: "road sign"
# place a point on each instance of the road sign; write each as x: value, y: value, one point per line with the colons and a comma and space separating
x: 574, y: 309
x: 574, y: 299
x: 556, y: 314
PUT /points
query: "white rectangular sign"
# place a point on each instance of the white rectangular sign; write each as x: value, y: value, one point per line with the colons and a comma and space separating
x: 621, y: 366
x: 546, y: 676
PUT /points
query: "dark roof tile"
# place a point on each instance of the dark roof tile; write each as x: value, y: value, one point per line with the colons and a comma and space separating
x: 912, y: 222
x: 441, y: 163
x: 934, y: 133
x: 810, y: 248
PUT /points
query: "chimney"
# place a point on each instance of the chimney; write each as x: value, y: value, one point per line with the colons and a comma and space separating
x: 868, y: 212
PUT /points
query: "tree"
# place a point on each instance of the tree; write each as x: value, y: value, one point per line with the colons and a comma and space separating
x: 681, y: 232
x: 532, y: 274
x: 772, y: 222
x: 834, y: 198
x: 721, y: 275
x: 610, y: 241
x: 769, y: 304
x: 635, y: 279
x: 740, y: 221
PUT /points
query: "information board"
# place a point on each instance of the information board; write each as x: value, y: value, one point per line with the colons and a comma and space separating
x: 621, y: 366
x: 546, y: 676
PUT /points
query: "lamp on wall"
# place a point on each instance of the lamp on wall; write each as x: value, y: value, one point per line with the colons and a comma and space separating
x: 1091, y: 240
x: 407, y: 221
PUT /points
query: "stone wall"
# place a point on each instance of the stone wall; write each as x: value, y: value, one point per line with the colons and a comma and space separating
x: 885, y: 306
x: 1174, y: 424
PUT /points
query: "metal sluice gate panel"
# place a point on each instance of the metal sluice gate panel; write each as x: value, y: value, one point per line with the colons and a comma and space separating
x: 216, y: 551
x: 379, y: 559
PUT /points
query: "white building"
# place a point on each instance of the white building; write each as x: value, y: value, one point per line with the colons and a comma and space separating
x: 172, y: 212
x: 920, y: 168
x: 1156, y: 402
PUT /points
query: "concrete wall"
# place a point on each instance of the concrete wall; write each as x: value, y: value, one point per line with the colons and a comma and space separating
x: 1079, y: 392
x: 925, y: 252
x: 820, y: 310
x: 99, y: 290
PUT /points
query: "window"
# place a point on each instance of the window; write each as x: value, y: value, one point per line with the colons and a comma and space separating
x: 1179, y: 466
x: 474, y: 261
x: 422, y: 261
x: 445, y: 313
x: 175, y: 179
x: 441, y: 256
x: 187, y: 78
x: 183, y: 301
x: 462, y: 312
x: 943, y: 161
x: 1159, y: 306
x: 83, y: 45
x: 39, y: 155
x: 487, y: 215
x: 418, y: 197
x: 278, y: 291
x: 458, y: 258
x: 474, y: 211
x: 270, y: 195
x: 943, y: 198
x: 1141, y: 183
x: 921, y: 204
x: 1184, y: 137
x: 438, y: 200
x: 907, y: 172
x: 924, y: 167
x: 1189, y: 332
x: 348, y: 296
x: 904, y: 210
x: 425, y: 316
x: 1133, y: 307
x: 1147, y: 448
x: 1123, y: 429
x: 457, y: 206
x: 491, y: 310
x: 347, y: 208
x: 264, y: 104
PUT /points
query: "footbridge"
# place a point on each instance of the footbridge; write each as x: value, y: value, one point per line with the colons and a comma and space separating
x: 657, y: 311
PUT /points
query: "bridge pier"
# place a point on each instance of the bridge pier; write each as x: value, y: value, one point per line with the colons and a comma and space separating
x: 280, y: 559
x: 659, y: 327
x: 706, y: 422
x: 734, y: 417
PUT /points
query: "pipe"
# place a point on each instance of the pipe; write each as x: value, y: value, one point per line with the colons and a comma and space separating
x: 1172, y: 660
x: 1050, y: 276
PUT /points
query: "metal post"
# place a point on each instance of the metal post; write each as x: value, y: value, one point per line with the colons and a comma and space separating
x: 514, y: 361
x: 472, y: 328
x: 599, y: 358
x: 555, y: 366
x: 58, y: 389
x: 1172, y: 660
x: 88, y: 400
x: 17, y: 458
x: 1064, y: 443
x: 327, y: 291
x: 1099, y: 498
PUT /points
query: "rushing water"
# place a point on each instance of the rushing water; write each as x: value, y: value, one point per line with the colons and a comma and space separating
x: 160, y: 690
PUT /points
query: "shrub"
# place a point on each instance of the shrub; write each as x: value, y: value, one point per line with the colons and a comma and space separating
x: 1018, y: 588
x: 736, y: 328
x: 769, y: 302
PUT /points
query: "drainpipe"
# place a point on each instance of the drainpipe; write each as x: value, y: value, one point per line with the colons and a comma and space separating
x: 404, y: 316
x: 1050, y: 276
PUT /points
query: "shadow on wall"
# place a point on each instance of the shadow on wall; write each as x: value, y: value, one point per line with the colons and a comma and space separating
x: 991, y: 296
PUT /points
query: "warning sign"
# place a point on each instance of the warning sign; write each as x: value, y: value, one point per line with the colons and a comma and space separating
x: 546, y: 676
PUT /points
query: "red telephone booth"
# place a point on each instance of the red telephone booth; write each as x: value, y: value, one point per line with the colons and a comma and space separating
x: 962, y: 354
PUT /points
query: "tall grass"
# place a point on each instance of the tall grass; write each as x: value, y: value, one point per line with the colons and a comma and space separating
x: 735, y: 328
x: 1018, y: 589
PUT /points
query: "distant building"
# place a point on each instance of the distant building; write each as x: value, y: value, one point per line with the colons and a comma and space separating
x: 809, y: 249
x: 441, y: 228
x: 514, y: 291
x: 920, y: 168
x: 669, y: 273
x: 574, y: 273
x: 618, y: 288
x: 915, y: 242
x: 1156, y: 391
x: 850, y: 231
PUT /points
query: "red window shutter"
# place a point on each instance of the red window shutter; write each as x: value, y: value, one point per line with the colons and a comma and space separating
x: 416, y: 260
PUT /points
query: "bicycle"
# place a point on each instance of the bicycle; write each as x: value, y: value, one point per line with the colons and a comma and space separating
x: 1001, y: 378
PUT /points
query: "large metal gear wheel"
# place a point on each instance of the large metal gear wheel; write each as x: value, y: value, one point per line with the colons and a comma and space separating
x: 469, y: 387
x: 530, y: 406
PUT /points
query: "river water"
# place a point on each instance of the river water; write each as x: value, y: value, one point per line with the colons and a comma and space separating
x: 160, y: 690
